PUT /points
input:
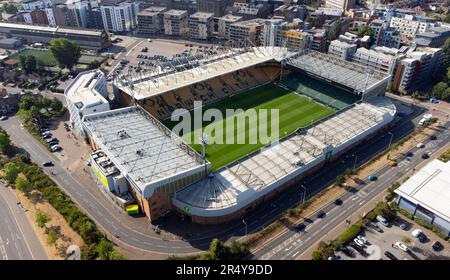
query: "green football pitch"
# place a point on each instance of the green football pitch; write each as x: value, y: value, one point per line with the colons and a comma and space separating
x: 294, y: 111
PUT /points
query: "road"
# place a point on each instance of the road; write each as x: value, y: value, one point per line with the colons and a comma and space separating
x: 142, y: 238
x: 293, y: 242
x: 18, y: 241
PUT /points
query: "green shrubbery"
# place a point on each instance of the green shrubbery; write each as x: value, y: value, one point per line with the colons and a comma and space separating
x: 219, y: 251
x: 349, y: 234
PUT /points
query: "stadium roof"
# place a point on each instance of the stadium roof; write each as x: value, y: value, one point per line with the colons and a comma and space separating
x: 343, y: 72
x: 149, y: 84
x: 144, y: 150
x: 248, y: 179
x: 49, y: 29
x: 430, y: 188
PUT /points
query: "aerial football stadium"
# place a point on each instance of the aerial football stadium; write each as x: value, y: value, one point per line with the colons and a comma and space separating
x: 325, y: 107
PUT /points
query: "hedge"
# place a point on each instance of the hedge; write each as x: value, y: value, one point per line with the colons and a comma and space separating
x: 349, y: 234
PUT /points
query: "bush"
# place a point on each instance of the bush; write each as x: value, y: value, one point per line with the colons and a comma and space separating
x: 349, y: 234
x: 317, y: 256
x: 41, y: 218
x: 89, y: 252
x: 52, y: 237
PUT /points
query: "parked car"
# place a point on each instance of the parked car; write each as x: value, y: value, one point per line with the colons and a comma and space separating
x: 401, y: 246
x: 390, y: 255
x: 45, y: 132
x: 425, y: 156
x: 51, y: 140
x: 48, y: 163
x: 347, y: 251
x: 362, y: 239
x: 404, y: 226
x: 375, y: 227
x: 437, y: 246
x: 47, y: 136
x: 358, y: 242
x: 55, y: 148
x: 416, y: 232
x: 383, y: 220
x: 2, y: 118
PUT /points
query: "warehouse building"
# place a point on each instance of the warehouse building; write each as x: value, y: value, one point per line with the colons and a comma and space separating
x: 426, y: 195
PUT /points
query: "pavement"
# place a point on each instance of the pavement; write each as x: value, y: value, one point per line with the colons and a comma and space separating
x: 181, y: 236
x: 293, y: 244
x: 18, y: 241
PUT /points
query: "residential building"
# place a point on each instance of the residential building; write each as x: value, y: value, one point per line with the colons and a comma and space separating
x: 410, y: 25
x: 176, y: 22
x: 217, y: 7
x: 416, y: 69
x: 385, y: 35
x: 151, y: 21
x: 426, y: 195
x: 319, y: 39
x: 341, y: 49
x: 250, y: 11
x: 341, y: 4
x: 435, y: 36
x: 224, y: 25
x: 121, y: 17
x: 375, y: 60
x: 61, y: 15
x: 201, y: 26
x: 79, y: 13
x: 39, y: 17
x: 95, y: 19
x: 31, y: 5
x: 251, y: 30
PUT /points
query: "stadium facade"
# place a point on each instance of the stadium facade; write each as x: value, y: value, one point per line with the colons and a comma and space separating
x: 164, y: 173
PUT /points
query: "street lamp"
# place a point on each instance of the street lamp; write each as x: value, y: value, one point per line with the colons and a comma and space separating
x: 354, y: 164
x: 245, y: 227
x: 390, y: 140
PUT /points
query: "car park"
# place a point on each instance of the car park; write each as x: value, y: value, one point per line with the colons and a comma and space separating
x: 390, y: 255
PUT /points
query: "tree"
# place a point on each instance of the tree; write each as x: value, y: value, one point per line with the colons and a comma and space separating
x: 340, y: 179
x: 9, y: 8
x: 28, y: 63
x: 94, y: 64
x: 23, y: 185
x: 56, y: 105
x: 365, y: 30
x: 10, y: 172
x: 334, y: 31
x: 447, y: 19
x: 41, y: 218
x: 5, y: 141
x: 117, y: 256
x: 66, y: 52
x: 52, y: 237
x: 104, y: 249
x: 438, y: 90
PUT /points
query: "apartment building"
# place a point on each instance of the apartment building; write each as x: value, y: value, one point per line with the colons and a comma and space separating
x: 375, y: 60
x: 385, y: 35
x: 121, y: 17
x: 434, y: 37
x: 410, y: 25
x: 224, y: 25
x: 217, y: 7
x: 416, y: 69
x: 201, y: 26
x: 341, y: 4
x: 176, y: 22
x: 151, y: 21
x: 342, y: 50
x: 251, y: 30
x: 31, y: 5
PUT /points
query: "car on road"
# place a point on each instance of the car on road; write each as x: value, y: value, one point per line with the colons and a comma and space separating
x: 321, y: 214
x: 409, y: 154
x: 301, y: 226
x: 372, y: 178
x: 420, y: 145
x: 338, y: 202
x: 392, y: 163
x: 401, y: 246
x: 383, y: 220
x: 433, y: 137
x: 437, y: 246
x: 425, y: 155
x: 48, y: 163
x: 375, y: 227
x: 390, y: 255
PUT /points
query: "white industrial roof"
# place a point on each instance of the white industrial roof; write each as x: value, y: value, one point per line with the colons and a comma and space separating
x: 430, y: 188
x: 242, y: 182
x: 82, y: 89
x: 49, y: 29
x: 160, y: 81
x: 142, y: 148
